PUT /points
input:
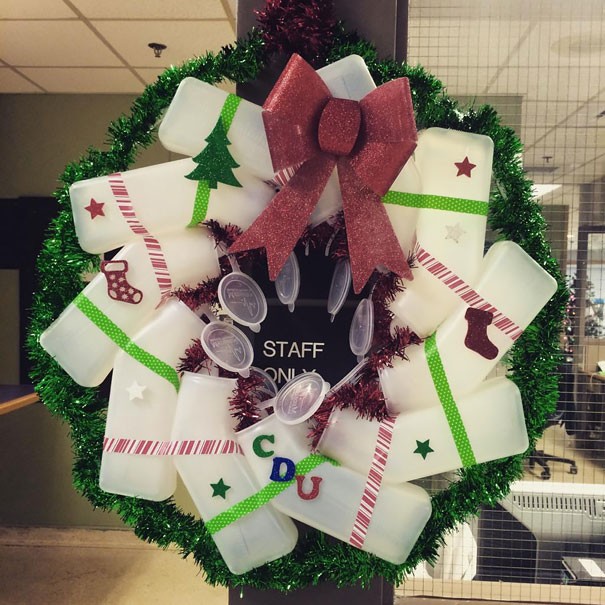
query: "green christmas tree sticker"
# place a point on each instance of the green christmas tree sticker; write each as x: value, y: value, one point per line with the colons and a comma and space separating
x: 215, y: 163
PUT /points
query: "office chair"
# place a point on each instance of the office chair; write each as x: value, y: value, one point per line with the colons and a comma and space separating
x: 564, y: 415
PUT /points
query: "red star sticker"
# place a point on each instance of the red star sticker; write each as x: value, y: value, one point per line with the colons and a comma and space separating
x: 464, y: 167
x: 95, y: 208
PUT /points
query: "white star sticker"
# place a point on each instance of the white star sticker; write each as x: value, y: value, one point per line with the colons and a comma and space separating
x: 454, y: 232
x: 135, y: 391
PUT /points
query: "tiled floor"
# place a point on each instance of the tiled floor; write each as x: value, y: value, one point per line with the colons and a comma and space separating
x: 431, y: 601
x: 41, y: 566
x: 88, y: 567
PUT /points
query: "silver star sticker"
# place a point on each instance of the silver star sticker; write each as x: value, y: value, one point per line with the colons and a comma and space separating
x: 135, y: 391
x: 454, y: 232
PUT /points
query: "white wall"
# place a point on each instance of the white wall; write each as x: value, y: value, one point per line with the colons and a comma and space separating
x: 39, y: 135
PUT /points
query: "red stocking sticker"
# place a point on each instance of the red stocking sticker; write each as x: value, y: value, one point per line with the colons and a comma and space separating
x: 476, y: 337
x: 118, y: 287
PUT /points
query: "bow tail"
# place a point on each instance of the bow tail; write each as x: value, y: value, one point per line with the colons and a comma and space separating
x: 281, y: 224
x: 370, y: 236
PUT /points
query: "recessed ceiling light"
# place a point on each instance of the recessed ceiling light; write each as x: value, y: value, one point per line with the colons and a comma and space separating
x: 542, y: 190
x: 580, y: 45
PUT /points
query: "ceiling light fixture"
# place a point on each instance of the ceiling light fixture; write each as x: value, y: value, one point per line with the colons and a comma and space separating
x: 157, y: 47
x: 541, y: 190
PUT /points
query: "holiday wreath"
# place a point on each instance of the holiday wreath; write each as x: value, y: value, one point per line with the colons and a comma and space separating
x: 369, y: 135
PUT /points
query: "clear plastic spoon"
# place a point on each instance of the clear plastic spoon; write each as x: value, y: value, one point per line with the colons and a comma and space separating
x: 300, y: 398
x: 361, y: 331
x: 227, y: 345
x: 287, y: 283
x: 266, y: 390
x: 352, y: 377
x: 241, y: 298
x: 339, y: 288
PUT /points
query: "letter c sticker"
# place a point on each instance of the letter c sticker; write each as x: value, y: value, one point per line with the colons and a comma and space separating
x: 258, y: 448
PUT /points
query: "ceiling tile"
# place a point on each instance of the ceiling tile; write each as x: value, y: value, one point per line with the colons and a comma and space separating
x: 511, y: 9
x: 35, y: 9
x: 547, y: 113
x: 574, y: 84
x: 52, y: 43
x: 462, y: 43
x: 566, y: 43
x: 531, y: 135
x: 84, y: 80
x: 588, y: 114
x: 149, y: 74
x: 151, y: 9
x: 564, y: 160
x: 475, y: 9
x: 467, y: 82
x: 11, y: 82
x: 183, y: 39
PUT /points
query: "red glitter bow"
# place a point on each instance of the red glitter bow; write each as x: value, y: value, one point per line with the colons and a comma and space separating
x: 369, y: 141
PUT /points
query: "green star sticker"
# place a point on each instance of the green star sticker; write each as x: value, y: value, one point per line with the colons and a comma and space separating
x: 220, y: 489
x: 423, y: 448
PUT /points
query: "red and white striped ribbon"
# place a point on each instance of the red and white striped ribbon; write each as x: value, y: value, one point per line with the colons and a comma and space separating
x: 281, y: 177
x: 156, y: 255
x: 186, y: 447
x: 372, y: 487
x: 470, y: 296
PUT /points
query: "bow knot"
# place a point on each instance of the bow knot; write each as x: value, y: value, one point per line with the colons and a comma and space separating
x: 367, y: 141
x: 339, y: 125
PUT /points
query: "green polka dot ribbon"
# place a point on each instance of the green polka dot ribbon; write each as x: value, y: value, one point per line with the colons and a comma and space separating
x: 265, y: 495
x: 228, y: 111
x: 452, y: 414
x: 436, y: 202
x: 115, y: 333
x: 202, y: 193
x: 200, y: 204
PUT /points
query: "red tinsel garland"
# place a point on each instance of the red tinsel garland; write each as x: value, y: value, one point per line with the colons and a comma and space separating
x: 245, y: 401
x: 205, y: 293
x: 306, y: 27
x: 365, y: 396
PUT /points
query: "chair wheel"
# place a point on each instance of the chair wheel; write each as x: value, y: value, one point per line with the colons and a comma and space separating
x: 545, y: 474
x: 573, y: 470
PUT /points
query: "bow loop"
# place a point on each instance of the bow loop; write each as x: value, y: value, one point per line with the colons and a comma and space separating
x: 292, y: 112
x: 388, y: 135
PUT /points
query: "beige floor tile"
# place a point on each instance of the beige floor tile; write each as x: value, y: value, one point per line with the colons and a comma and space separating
x: 87, y: 567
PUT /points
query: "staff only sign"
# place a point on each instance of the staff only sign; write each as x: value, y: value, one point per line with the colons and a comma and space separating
x: 304, y: 341
x: 283, y: 351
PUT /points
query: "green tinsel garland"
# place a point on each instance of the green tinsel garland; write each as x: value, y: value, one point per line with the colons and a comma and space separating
x: 317, y: 558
